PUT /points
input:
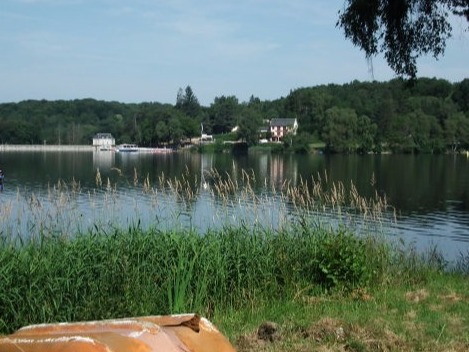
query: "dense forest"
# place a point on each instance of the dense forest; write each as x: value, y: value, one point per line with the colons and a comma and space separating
x: 423, y: 115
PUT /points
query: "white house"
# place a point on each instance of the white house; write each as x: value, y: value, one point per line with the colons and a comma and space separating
x: 103, y: 141
x: 281, y: 127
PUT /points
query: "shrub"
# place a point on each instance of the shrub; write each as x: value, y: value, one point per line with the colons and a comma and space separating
x: 342, y: 260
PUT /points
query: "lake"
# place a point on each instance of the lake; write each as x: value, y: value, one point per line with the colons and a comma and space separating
x: 66, y: 192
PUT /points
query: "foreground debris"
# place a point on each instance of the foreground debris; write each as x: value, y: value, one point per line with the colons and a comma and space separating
x: 178, y: 333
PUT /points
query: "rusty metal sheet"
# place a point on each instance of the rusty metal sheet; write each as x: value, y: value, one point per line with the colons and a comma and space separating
x: 172, y: 333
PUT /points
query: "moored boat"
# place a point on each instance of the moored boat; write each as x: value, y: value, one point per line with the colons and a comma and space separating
x: 127, y: 148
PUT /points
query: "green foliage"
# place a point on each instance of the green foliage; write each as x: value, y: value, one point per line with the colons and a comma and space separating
x: 248, y: 128
x: 224, y: 114
x: 461, y: 95
x: 366, y: 134
x: 394, y: 317
x: 340, y: 130
x: 402, y: 30
x: 301, y: 142
x: 132, y: 273
x: 429, y: 116
x: 274, y: 148
x: 187, y: 102
x: 342, y: 260
x: 98, y: 275
x: 457, y: 132
x: 217, y: 147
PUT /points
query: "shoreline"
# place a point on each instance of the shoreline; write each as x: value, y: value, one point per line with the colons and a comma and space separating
x: 73, y: 148
x: 46, y: 148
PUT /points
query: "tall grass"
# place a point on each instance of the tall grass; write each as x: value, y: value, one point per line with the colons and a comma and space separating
x: 210, y: 201
x: 278, y: 244
x: 134, y: 272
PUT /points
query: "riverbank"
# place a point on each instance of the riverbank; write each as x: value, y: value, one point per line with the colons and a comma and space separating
x: 426, y: 315
x: 316, y: 288
x: 45, y: 148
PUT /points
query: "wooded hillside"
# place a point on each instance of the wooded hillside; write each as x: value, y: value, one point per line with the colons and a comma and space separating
x: 426, y: 115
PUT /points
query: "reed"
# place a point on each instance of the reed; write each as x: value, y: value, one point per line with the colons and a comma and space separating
x: 66, y: 255
x: 174, y: 203
x: 100, y: 275
x: 131, y: 272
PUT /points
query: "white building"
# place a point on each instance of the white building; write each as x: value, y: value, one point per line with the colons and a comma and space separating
x: 103, y: 141
x: 281, y: 127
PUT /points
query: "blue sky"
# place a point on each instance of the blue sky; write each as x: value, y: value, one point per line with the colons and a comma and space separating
x: 145, y: 50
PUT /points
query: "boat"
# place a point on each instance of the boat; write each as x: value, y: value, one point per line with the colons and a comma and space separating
x: 127, y: 148
x: 134, y: 148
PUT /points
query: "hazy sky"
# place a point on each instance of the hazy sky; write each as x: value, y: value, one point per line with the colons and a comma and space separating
x: 145, y: 50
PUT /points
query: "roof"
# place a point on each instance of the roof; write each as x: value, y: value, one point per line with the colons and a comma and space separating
x: 103, y: 135
x: 282, y: 122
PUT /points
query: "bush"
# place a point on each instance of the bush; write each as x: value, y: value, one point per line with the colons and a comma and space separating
x: 342, y: 260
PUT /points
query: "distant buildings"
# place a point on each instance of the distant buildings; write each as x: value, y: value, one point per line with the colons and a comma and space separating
x: 274, y: 130
x: 103, y: 141
x: 279, y: 128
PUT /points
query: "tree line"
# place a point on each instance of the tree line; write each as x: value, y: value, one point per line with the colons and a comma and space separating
x: 424, y: 115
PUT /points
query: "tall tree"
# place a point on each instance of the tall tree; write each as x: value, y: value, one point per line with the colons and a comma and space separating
x: 457, y: 132
x: 224, y: 113
x: 366, y: 134
x: 340, y: 129
x: 401, y: 29
x: 187, y: 102
x: 461, y: 95
x: 248, y: 128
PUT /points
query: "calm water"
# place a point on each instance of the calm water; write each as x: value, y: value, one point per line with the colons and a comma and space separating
x: 430, y: 193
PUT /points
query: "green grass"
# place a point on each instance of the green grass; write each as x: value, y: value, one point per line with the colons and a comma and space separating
x: 397, y: 317
x: 235, y: 276
x: 325, y: 287
x: 135, y: 272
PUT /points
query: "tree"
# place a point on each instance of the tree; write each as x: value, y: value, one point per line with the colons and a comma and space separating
x: 461, y: 95
x: 248, y: 129
x: 161, y: 132
x: 399, y: 134
x: 401, y: 29
x: 224, y: 113
x: 175, y: 130
x: 187, y: 102
x: 340, y: 129
x: 366, y: 134
x: 300, y: 143
x: 309, y: 106
x: 425, y: 131
x: 457, y: 131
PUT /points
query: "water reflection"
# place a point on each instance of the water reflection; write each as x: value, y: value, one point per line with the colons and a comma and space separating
x: 430, y: 193
x: 103, y: 160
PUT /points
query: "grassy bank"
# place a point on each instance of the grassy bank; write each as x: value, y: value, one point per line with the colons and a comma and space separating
x: 357, y: 288
x: 135, y: 272
x: 430, y: 315
x: 321, y: 278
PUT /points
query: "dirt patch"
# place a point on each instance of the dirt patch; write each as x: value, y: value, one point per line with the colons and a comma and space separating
x: 453, y: 297
x: 411, y: 315
x: 326, y: 335
x: 417, y: 296
x: 268, y: 331
x: 328, y: 329
x: 334, y: 335
x: 361, y: 294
